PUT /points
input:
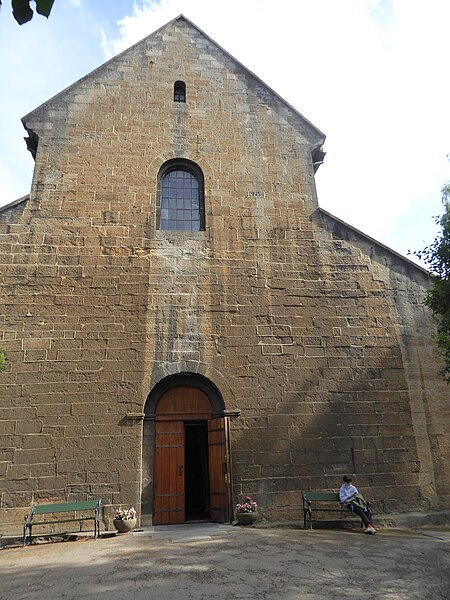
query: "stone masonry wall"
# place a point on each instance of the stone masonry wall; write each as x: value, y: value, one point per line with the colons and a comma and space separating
x: 323, y: 348
x: 405, y: 286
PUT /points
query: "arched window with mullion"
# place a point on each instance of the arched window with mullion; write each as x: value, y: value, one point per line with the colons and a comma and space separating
x: 181, y: 197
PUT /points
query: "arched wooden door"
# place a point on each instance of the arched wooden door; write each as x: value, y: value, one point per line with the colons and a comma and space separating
x: 191, y: 460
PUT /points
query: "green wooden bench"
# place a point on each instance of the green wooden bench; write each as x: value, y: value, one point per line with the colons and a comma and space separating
x: 39, y: 510
x: 330, y: 498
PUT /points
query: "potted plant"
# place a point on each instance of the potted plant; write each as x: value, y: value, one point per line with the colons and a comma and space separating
x: 125, y: 519
x: 246, y: 512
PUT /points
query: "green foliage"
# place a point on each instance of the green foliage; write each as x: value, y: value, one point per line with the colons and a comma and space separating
x: 22, y: 11
x: 2, y: 361
x: 437, y: 258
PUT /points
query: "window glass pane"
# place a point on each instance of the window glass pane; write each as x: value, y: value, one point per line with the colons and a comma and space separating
x: 180, y: 192
x: 179, y: 91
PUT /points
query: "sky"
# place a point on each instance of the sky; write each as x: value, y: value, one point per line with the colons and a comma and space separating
x: 373, y: 75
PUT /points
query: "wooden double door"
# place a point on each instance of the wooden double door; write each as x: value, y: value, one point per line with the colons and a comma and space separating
x: 191, y: 460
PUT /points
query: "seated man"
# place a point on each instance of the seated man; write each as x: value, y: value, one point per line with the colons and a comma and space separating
x: 353, y: 500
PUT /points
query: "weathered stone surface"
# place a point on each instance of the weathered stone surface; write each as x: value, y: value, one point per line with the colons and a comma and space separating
x: 314, y: 332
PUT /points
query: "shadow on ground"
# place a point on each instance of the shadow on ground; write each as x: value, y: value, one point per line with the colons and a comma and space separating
x: 241, y: 564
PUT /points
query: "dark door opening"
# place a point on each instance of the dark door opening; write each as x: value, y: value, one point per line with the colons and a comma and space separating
x: 196, y: 469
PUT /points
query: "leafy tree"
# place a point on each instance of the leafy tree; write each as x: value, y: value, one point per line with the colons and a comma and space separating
x: 437, y: 257
x: 22, y: 11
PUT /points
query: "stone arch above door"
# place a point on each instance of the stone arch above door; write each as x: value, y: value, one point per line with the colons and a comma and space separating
x: 184, y: 379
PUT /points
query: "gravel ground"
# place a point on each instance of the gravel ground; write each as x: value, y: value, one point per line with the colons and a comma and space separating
x: 234, y: 563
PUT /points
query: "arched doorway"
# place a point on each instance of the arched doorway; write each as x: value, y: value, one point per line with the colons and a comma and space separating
x: 191, y: 458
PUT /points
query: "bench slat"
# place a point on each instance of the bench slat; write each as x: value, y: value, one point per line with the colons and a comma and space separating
x: 45, y: 509
x: 330, y: 509
x: 51, y: 522
x: 322, y: 496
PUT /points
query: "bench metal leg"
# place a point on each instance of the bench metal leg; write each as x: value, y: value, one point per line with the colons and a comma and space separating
x: 307, y: 515
x: 25, y: 530
x: 97, y: 524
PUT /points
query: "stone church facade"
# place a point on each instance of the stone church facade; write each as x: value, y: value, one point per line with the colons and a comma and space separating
x: 183, y: 324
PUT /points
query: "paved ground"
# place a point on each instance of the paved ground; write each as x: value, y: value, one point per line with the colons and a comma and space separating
x: 219, y: 561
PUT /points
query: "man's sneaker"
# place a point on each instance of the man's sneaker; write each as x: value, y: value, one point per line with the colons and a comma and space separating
x: 370, y: 529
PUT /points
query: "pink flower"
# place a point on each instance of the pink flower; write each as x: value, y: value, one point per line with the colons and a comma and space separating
x: 246, y: 507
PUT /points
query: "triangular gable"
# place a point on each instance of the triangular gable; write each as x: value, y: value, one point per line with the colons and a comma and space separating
x: 317, y: 136
x: 378, y: 251
x: 14, y: 203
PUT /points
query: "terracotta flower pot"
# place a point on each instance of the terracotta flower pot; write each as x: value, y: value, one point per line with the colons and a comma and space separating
x: 246, y: 518
x: 124, y: 525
